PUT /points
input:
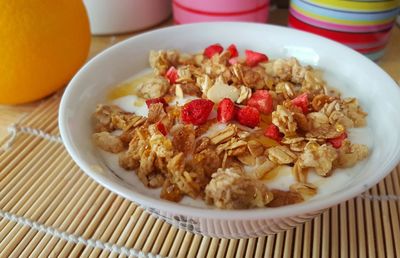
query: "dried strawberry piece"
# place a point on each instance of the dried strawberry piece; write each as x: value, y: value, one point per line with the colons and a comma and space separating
x: 161, y: 127
x: 235, y: 112
x: 272, y: 131
x: 301, y: 102
x: 248, y: 116
x: 253, y: 58
x: 155, y: 101
x: 337, y: 142
x: 212, y: 50
x: 226, y: 110
x: 172, y: 75
x: 197, y: 111
x: 233, y: 50
x: 261, y: 100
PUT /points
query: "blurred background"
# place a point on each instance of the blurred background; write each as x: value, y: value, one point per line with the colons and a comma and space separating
x: 63, y: 34
x: 362, y: 25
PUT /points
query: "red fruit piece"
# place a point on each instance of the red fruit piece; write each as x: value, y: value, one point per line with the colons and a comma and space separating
x: 155, y: 101
x: 261, y: 100
x: 172, y: 75
x: 161, y: 127
x: 226, y: 110
x: 212, y: 50
x: 253, y: 58
x: 301, y: 102
x: 337, y: 142
x: 197, y: 111
x: 272, y: 131
x: 233, y: 50
x: 248, y: 116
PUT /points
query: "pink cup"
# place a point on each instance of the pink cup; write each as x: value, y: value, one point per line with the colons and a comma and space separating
x: 189, y: 11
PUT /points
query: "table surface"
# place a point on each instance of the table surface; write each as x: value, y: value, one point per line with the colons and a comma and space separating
x: 12, y: 114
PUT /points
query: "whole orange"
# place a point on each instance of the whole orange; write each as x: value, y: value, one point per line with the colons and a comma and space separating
x: 42, y: 45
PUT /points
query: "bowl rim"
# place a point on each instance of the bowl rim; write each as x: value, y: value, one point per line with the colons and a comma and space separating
x: 211, y: 212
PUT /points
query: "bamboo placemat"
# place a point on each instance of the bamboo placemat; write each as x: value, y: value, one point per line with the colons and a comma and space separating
x: 39, y: 181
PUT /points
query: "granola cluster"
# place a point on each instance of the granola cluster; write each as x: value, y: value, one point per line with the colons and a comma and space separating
x: 270, y: 113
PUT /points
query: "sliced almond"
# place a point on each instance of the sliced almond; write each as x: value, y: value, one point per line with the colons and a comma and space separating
x: 222, y: 90
x: 178, y: 91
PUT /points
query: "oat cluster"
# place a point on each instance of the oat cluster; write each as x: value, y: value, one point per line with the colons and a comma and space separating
x: 296, y: 120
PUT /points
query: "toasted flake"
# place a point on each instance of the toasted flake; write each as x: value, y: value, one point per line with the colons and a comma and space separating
x: 156, y: 113
x: 153, y: 88
x: 304, y: 188
x: 319, y: 157
x: 242, y: 134
x: 320, y: 126
x: 204, y: 82
x: 352, y: 110
x: 108, y: 142
x: 191, y: 89
x: 184, y: 181
x: 161, y: 60
x: 224, y: 135
x: 170, y: 192
x: 286, y: 89
x: 247, y: 159
x: 254, y: 77
x: 255, y: 148
x: 128, y: 161
x: 245, y: 94
x: 103, y: 117
x: 350, y: 154
x: 202, y: 144
x: 320, y: 101
x: 184, y: 74
x: 232, y: 189
x: 263, y: 168
x: 183, y: 138
x: 146, y: 167
x: 134, y: 122
x: 288, y: 140
x: 161, y: 145
x: 281, y: 155
x: 207, y: 161
x: 232, y: 145
x: 284, y: 120
x: 237, y: 71
x: 299, y: 173
x: 282, y: 198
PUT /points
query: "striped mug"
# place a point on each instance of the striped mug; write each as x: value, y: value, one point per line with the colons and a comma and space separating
x: 362, y: 25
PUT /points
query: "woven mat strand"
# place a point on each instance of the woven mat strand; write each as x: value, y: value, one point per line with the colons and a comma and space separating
x: 38, y: 180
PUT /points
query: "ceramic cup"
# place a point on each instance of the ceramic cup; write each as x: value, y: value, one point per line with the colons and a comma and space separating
x: 122, y: 16
x: 189, y: 11
x: 362, y: 25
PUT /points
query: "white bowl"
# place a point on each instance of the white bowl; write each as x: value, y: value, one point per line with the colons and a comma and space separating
x: 349, y: 71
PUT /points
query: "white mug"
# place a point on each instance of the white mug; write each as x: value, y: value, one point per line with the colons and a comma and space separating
x: 121, y: 16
